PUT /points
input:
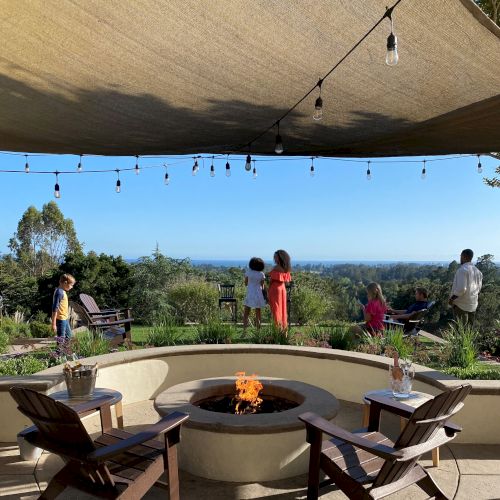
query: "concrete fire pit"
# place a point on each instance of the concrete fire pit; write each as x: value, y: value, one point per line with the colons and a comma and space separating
x: 240, y: 448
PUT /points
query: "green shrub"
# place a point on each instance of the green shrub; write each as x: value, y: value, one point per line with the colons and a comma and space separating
x: 341, y: 337
x: 87, y: 344
x: 395, y: 340
x: 4, y: 341
x: 194, y: 301
x: 14, y: 329
x: 215, y: 332
x: 22, y: 365
x: 164, y: 333
x: 307, y: 306
x: 40, y: 330
x: 473, y: 373
x: 460, y: 349
x: 269, y: 334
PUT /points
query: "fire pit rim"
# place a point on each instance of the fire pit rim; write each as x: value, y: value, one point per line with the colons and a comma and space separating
x: 179, y: 398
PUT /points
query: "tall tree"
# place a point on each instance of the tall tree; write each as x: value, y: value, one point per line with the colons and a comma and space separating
x: 491, y: 8
x: 42, y: 239
x: 494, y: 181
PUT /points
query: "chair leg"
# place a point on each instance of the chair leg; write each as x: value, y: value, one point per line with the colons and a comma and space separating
x: 53, y: 490
x: 171, y: 465
x: 431, y: 488
x: 315, y: 438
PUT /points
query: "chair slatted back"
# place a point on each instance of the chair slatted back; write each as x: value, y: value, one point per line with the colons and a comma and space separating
x: 226, y: 291
x: 59, y: 426
x: 81, y: 312
x: 437, y: 411
x: 89, y: 303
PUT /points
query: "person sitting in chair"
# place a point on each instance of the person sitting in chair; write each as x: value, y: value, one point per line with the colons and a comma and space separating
x: 404, y: 315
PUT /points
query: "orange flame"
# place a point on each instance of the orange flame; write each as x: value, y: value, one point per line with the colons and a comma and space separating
x: 248, y: 388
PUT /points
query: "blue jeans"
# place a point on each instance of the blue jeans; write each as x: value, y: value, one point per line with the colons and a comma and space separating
x: 63, y: 329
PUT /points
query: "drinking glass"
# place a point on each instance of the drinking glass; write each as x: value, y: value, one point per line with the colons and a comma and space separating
x: 401, y: 379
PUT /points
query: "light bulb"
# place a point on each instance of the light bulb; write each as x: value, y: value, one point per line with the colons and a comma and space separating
x: 318, y: 109
x: 57, y: 192
x: 118, y: 188
x: 212, y: 171
x: 368, y: 173
x: 278, y: 148
x: 137, y: 169
x: 79, y: 167
x: 479, y: 166
x: 195, y: 167
x: 423, y: 173
x: 167, y: 179
x: 228, y: 170
x: 391, y: 58
x: 254, y: 173
x: 248, y: 164
x: 312, y: 171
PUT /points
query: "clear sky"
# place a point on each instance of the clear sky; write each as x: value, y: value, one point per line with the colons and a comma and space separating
x: 335, y: 215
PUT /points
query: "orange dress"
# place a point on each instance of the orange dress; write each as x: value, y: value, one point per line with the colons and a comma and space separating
x: 277, y: 297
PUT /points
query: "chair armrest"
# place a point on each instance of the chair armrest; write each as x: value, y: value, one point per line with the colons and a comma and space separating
x: 381, y: 450
x: 105, y: 324
x: 167, y: 424
x: 104, y: 314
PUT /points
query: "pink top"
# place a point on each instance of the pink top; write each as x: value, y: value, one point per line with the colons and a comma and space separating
x: 377, y: 310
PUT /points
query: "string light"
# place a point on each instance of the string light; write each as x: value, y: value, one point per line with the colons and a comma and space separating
x: 79, y: 167
x: 167, y: 179
x: 137, y: 169
x: 212, y: 168
x: 479, y: 166
x: 318, y: 105
x: 391, y: 58
x: 57, y: 192
x: 311, y: 171
x: 27, y: 165
x: 254, y: 171
x: 423, y: 172
x: 278, y: 147
x: 228, y: 168
x: 195, y: 167
x: 248, y: 164
x: 368, y: 172
x: 118, y: 187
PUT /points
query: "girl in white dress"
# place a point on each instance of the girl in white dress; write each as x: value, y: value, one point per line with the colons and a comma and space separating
x: 254, y: 281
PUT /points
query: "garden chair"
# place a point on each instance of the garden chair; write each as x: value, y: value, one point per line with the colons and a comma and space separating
x: 116, y: 332
x: 93, y: 309
x: 365, y: 464
x: 117, y: 464
x: 227, y: 297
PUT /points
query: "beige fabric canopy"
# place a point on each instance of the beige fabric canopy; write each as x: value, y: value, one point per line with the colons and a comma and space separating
x: 126, y: 77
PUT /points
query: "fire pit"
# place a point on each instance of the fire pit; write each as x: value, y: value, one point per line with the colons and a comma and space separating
x: 250, y: 447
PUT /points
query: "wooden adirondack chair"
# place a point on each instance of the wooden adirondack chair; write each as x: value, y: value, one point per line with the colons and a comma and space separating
x: 116, y: 465
x: 366, y: 464
x: 91, y: 305
x: 117, y: 332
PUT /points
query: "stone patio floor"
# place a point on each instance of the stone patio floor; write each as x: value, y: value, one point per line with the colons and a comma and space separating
x: 465, y: 472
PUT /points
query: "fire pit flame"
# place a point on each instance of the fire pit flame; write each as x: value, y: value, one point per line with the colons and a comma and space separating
x: 247, y: 397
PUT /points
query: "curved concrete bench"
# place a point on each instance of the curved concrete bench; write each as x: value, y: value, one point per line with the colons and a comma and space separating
x: 143, y: 374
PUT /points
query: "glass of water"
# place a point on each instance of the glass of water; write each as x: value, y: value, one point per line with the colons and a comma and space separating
x: 401, y: 379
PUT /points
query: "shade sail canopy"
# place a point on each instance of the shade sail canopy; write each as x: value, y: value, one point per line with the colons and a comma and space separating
x: 125, y: 77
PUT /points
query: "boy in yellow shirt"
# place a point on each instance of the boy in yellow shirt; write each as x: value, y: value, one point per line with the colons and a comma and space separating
x: 60, y: 316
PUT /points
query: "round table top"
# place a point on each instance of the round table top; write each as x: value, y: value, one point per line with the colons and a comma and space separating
x: 415, y: 398
x: 110, y: 395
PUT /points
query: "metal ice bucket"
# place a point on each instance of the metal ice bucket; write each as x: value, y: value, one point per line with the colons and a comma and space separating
x: 81, y: 382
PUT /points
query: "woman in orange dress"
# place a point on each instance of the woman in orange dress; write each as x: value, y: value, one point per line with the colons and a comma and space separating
x: 279, y: 275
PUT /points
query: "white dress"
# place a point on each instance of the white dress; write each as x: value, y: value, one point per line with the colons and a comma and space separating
x: 254, y: 298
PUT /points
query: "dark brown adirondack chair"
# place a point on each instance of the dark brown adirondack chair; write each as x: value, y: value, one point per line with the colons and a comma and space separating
x: 367, y: 465
x: 116, y: 465
x: 113, y: 314
x: 113, y: 327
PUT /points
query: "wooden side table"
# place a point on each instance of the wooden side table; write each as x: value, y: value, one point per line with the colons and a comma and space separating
x: 101, y: 400
x: 415, y: 400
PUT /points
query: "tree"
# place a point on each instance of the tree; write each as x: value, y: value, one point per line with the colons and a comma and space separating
x: 495, y: 181
x: 491, y: 8
x: 42, y: 239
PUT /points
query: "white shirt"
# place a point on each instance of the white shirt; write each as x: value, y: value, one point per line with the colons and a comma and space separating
x: 466, y: 286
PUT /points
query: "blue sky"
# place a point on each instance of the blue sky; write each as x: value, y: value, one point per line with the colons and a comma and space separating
x: 336, y: 215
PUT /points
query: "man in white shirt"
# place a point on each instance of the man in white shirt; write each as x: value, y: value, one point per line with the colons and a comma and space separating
x: 466, y: 287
